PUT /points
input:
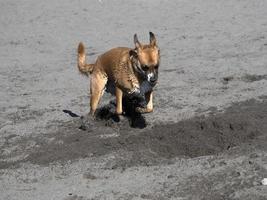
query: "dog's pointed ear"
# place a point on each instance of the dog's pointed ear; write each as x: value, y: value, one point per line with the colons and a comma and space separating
x: 136, y: 42
x: 133, y: 53
x: 152, y: 38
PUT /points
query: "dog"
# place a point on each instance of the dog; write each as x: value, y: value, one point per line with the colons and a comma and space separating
x: 123, y: 71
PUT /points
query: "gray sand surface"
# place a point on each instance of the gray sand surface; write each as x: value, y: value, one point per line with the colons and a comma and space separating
x: 207, y: 137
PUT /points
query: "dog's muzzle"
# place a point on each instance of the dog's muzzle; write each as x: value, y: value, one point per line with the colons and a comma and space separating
x: 149, y: 77
x: 152, y: 78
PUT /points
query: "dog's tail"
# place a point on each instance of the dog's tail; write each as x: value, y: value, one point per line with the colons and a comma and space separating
x: 83, y: 67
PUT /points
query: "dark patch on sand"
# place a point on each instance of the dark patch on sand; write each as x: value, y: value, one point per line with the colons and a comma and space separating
x: 249, y: 78
x: 107, y: 115
x: 199, y: 136
x: 226, y: 79
x: 178, y: 71
x: 253, y: 77
x: 70, y: 113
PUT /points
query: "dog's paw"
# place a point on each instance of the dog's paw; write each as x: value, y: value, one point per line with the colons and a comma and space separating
x: 142, y: 110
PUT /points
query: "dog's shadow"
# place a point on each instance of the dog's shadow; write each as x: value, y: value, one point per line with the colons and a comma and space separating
x: 135, y: 119
x: 107, y: 114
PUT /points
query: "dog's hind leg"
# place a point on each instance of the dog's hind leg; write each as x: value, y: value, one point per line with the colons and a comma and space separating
x: 97, y: 87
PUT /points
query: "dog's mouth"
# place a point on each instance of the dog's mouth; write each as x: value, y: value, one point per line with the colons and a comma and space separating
x: 153, y: 83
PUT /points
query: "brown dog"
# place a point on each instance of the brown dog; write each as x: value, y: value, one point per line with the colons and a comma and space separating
x: 123, y: 71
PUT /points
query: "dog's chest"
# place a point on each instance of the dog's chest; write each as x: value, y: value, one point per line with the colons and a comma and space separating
x: 144, y: 87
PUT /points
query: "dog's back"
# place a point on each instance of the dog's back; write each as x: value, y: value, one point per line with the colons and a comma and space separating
x: 111, y: 61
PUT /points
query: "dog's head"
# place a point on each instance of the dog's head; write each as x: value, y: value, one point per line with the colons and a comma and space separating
x: 147, y: 58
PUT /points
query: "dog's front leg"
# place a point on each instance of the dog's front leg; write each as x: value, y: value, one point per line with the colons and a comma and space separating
x: 149, y: 107
x: 119, y: 94
x: 149, y: 100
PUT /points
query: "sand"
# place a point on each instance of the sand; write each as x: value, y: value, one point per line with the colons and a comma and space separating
x: 206, y: 138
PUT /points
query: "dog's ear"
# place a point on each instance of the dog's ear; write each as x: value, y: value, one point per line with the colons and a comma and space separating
x: 152, y: 38
x: 133, y: 53
x: 136, y: 42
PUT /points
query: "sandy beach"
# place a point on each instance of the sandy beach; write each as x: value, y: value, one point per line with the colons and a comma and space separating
x: 207, y: 136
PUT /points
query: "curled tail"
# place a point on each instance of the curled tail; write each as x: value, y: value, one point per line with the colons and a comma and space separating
x: 83, y: 67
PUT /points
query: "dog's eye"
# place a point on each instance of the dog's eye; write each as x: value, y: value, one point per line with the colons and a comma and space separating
x: 145, y: 67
